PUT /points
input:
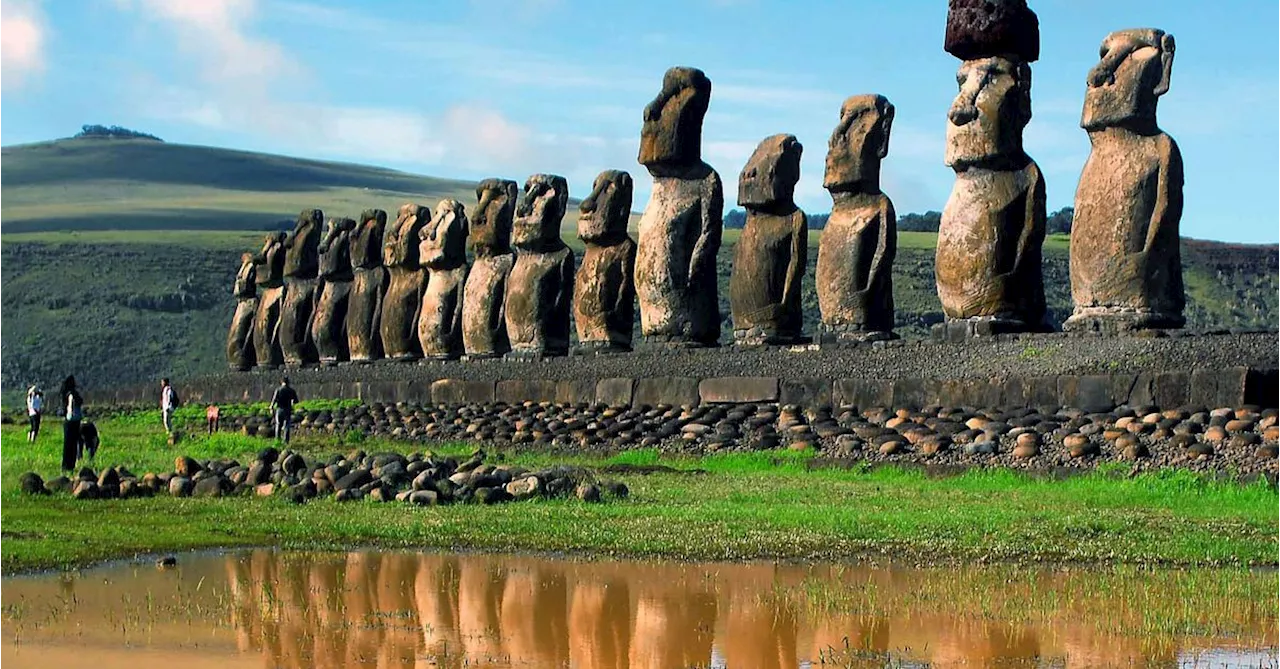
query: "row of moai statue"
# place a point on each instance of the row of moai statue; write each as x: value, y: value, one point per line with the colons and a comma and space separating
x: 365, y: 291
x: 357, y: 292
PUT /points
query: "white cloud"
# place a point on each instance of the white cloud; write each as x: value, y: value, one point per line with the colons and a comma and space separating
x: 22, y: 42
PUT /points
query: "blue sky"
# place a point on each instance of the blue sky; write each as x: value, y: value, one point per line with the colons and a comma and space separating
x: 478, y: 88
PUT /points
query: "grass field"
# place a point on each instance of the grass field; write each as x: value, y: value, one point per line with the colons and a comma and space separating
x: 756, y: 505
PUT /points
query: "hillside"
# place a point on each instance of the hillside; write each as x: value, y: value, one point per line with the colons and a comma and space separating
x: 140, y: 285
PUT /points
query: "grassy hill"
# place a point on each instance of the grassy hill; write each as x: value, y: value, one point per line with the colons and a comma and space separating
x: 117, y: 256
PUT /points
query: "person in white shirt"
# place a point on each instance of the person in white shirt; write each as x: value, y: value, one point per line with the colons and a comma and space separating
x: 168, y: 402
x: 35, y: 409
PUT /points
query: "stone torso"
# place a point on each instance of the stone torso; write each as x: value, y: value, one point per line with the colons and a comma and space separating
x: 537, y: 303
x: 604, y: 294
x: 678, y: 299
x: 440, y: 320
x: 989, y: 245
x: 768, y: 263
x: 484, y: 326
x: 855, y: 264
x: 1124, y: 242
x: 364, y: 311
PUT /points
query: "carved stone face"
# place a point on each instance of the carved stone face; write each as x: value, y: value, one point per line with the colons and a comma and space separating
x: 366, y: 250
x: 335, y: 254
x: 770, y: 175
x: 986, y: 120
x: 1131, y: 75
x: 246, y: 285
x: 444, y: 239
x: 538, y: 217
x: 400, y: 247
x: 672, y: 131
x: 859, y: 142
x: 270, y: 261
x: 302, y: 254
x: 491, y: 220
x: 605, y: 213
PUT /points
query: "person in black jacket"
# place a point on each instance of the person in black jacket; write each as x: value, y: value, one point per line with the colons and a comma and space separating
x: 73, y: 412
x: 282, y: 408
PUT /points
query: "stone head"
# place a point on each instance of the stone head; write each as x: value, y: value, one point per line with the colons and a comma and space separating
x: 444, y: 240
x: 672, y: 133
x: 270, y: 260
x: 537, y: 224
x: 858, y: 144
x: 985, y: 123
x: 1131, y: 75
x: 335, y: 247
x: 366, y: 250
x: 246, y: 279
x: 302, y: 247
x: 770, y: 175
x: 496, y: 201
x: 604, y: 215
x: 400, y: 244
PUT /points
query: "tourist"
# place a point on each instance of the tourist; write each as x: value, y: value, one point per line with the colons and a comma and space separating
x: 88, y: 440
x: 211, y: 414
x: 35, y: 408
x: 168, y: 403
x: 73, y: 407
x: 282, y: 405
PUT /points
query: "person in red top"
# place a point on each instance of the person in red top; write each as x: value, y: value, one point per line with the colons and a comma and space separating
x: 211, y: 413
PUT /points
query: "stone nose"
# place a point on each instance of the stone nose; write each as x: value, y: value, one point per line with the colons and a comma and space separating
x: 963, y: 112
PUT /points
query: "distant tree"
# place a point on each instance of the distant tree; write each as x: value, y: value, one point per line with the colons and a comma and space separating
x: 926, y: 222
x: 113, y: 132
x: 1059, y: 222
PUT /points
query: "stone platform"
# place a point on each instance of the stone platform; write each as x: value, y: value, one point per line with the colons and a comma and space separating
x: 1090, y: 372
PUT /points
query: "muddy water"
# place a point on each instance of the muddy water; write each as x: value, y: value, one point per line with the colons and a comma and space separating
x: 266, y: 608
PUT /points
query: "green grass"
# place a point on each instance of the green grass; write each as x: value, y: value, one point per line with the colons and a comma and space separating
x: 746, y: 505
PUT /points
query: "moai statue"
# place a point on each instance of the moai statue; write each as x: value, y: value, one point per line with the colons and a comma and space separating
x: 240, y: 353
x: 540, y: 288
x: 329, y: 326
x: 484, y: 325
x: 770, y: 257
x: 989, y: 242
x: 860, y: 240
x: 368, y: 286
x: 443, y: 251
x: 1126, y: 264
x: 408, y: 281
x: 268, y: 273
x: 604, y: 292
x: 680, y: 230
x: 301, y: 266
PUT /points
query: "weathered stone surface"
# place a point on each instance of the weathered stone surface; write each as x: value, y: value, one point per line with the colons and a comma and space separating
x: 738, y: 389
x: 604, y: 291
x: 981, y: 28
x: 673, y: 390
x: 240, y: 353
x: 862, y: 393
x: 443, y: 252
x: 989, y: 244
x: 770, y: 257
x: 368, y: 285
x: 268, y: 266
x: 329, y: 326
x: 484, y: 326
x: 540, y: 288
x: 301, y: 266
x: 1126, y: 267
x: 516, y: 391
x: 458, y: 391
x: 615, y: 392
x: 679, y: 233
x: 407, y: 282
x: 858, y: 245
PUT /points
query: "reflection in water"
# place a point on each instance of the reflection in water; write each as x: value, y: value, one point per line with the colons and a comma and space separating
x: 390, y: 610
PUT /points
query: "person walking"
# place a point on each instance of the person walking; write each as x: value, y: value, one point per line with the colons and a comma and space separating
x: 73, y: 406
x: 211, y: 414
x: 168, y: 403
x: 35, y: 409
x: 282, y: 405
